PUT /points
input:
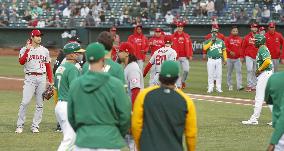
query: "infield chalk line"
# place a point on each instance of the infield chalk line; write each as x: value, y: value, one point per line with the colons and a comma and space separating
x: 219, y: 97
x: 7, y: 78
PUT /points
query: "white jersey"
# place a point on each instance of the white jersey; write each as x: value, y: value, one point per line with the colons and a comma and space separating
x: 133, y: 75
x: 161, y: 55
x: 37, y: 57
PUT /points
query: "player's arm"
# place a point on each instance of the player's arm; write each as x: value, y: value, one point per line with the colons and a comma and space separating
x: 123, y: 107
x: 282, y: 45
x: 70, y: 106
x: 149, y: 65
x: 190, y: 48
x: 190, y: 123
x: 207, y: 45
x: 134, y: 83
x: 23, y: 57
x: 48, y: 68
x: 264, y: 65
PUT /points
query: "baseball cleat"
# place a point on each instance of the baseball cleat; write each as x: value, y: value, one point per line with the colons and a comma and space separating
x: 269, y: 123
x: 241, y: 88
x: 183, y: 85
x: 230, y: 88
x: 250, y: 122
x: 35, y: 130
x: 248, y: 89
x: 219, y: 90
x: 209, y: 91
x: 19, y: 130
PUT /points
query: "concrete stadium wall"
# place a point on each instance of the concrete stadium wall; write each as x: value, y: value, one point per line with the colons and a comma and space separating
x: 16, y: 37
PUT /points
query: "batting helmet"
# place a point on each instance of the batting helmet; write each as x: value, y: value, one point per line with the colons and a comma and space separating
x: 259, y: 40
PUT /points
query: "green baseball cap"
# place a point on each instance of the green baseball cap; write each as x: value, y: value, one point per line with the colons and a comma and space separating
x: 170, y: 69
x: 95, y: 51
x: 72, y: 47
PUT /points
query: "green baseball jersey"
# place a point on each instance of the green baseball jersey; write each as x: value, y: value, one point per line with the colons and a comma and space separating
x: 216, y: 49
x: 113, y: 68
x: 274, y: 95
x: 64, y: 75
x: 262, y: 54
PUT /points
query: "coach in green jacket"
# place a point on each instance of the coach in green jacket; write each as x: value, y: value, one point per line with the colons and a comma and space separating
x: 98, y: 109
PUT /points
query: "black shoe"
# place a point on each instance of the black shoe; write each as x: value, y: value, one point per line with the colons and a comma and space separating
x: 240, y: 89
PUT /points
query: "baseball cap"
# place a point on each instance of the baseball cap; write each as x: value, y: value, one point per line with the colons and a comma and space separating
x: 75, y: 39
x: 253, y: 25
x: 168, y: 39
x: 170, y: 69
x: 180, y: 24
x: 215, y: 28
x: 127, y: 47
x: 72, y: 47
x: 271, y: 24
x: 158, y: 30
x: 261, y: 28
x: 95, y: 51
x: 36, y: 32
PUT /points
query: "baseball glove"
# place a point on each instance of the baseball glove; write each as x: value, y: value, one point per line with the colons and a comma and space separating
x: 48, y: 93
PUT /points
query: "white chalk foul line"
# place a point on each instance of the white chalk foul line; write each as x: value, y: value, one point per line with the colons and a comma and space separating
x: 7, y: 78
x: 219, y: 97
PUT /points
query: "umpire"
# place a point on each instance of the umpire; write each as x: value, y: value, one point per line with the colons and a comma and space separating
x: 162, y: 114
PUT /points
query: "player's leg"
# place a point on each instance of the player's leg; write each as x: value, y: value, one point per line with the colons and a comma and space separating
x: 210, y: 72
x: 249, y: 65
x: 280, y: 145
x: 152, y: 74
x: 41, y: 86
x: 275, y: 64
x: 230, y: 67
x: 185, y: 68
x: 55, y: 98
x: 140, y: 64
x: 68, y: 132
x: 28, y: 91
x: 253, y: 75
x: 218, y: 71
x: 155, y: 80
x: 239, y: 78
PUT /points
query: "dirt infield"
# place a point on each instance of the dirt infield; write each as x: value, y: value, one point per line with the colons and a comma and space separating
x: 11, y: 85
x: 15, y: 52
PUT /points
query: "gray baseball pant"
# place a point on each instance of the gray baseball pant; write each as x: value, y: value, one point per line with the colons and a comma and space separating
x: 275, y: 64
x: 32, y: 85
x: 231, y: 64
x: 184, y: 68
x: 251, y: 68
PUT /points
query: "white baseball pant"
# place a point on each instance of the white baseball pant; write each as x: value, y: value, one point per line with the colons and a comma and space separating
x: 231, y: 64
x: 275, y: 64
x: 259, y: 94
x: 68, y: 133
x: 184, y: 68
x: 214, y: 67
x: 251, y: 68
x: 280, y: 145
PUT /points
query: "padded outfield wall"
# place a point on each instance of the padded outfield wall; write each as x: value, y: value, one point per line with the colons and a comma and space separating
x: 16, y: 37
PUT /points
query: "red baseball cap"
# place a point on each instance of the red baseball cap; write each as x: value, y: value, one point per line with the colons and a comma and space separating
x: 36, y: 32
x: 271, y: 24
x: 261, y: 28
x: 127, y: 47
x: 180, y: 24
x: 158, y: 30
x: 253, y: 25
x: 215, y: 28
x: 168, y: 39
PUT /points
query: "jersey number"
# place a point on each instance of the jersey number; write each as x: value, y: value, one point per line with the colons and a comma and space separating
x: 160, y: 59
x: 58, y: 79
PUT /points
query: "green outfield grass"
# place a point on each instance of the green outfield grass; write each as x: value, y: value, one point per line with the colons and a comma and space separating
x: 219, y: 127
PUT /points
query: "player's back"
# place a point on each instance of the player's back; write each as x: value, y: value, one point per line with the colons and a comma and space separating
x: 161, y: 55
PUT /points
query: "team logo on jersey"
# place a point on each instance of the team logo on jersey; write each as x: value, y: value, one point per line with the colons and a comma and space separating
x: 37, y: 57
x: 134, y: 80
x: 251, y: 41
x: 276, y: 40
x: 60, y: 70
x: 180, y: 39
x: 138, y: 41
x: 215, y: 46
x: 235, y: 42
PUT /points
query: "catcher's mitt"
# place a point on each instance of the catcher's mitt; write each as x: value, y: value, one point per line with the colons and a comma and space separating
x: 48, y: 93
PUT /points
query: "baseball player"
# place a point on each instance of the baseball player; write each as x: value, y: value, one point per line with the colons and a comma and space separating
x: 183, y: 46
x: 133, y: 76
x: 155, y: 43
x: 111, y: 67
x: 159, y: 56
x: 60, y: 60
x: 65, y: 74
x: 274, y: 96
x: 215, y: 50
x: 233, y: 47
x: 98, y: 109
x: 140, y: 43
x: 162, y: 115
x: 274, y: 41
x: 37, y: 68
x: 215, y: 28
x: 263, y: 72
x: 250, y: 51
